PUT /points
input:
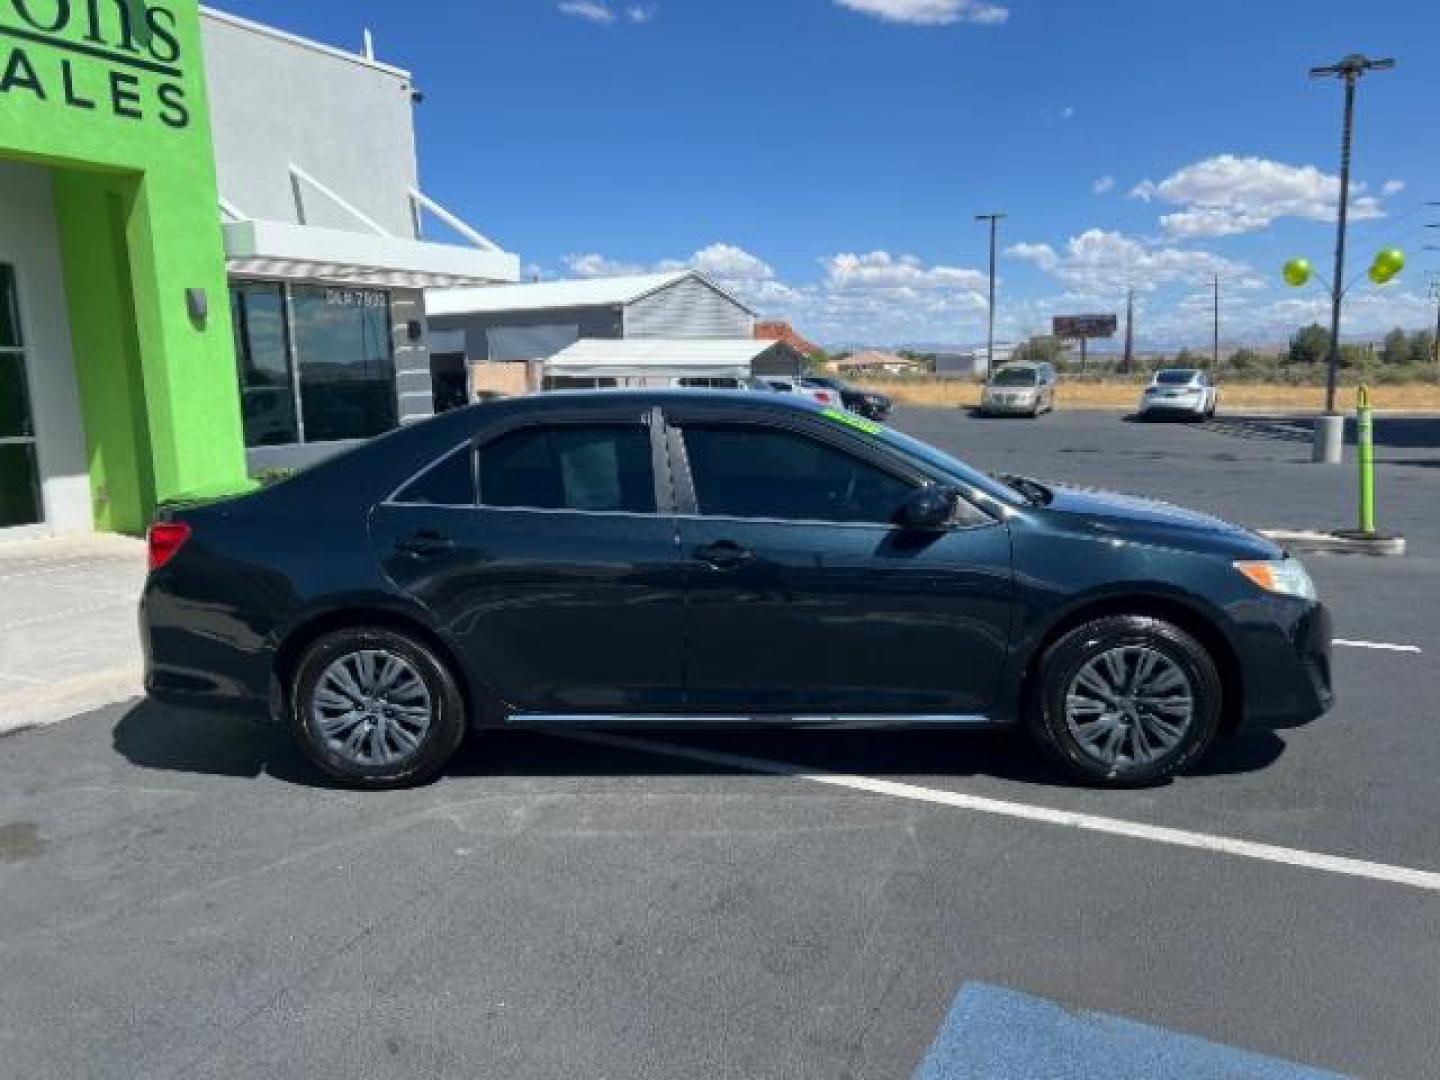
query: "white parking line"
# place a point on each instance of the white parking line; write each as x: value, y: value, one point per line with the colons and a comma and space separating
x: 1133, y: 830
x: 1382, y: 646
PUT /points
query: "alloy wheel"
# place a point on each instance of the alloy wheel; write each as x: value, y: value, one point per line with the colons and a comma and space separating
x: 371, y: 707
x: 1129, y: 706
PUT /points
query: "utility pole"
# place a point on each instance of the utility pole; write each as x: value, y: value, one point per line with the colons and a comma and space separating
x: 1349, y: 70
x: 994, y: 220
x: 1215, y: 362
x: 1435, y: 295
x: 1129, y: 332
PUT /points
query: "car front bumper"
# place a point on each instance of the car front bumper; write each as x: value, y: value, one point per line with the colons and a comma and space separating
x: 1008, y: 406
x: 1286, y: 669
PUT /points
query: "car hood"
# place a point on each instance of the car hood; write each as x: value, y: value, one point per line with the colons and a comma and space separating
x: 1130, y: 517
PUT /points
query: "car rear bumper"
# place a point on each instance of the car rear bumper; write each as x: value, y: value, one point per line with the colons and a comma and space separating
x: 1172, y: 408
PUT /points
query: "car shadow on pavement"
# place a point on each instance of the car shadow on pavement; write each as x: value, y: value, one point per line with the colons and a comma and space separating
x: 162, y: 737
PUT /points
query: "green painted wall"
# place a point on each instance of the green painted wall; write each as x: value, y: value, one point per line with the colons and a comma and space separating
x: 111, y: 95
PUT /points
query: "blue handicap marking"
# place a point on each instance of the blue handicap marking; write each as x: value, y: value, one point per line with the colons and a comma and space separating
x: 998, y: 1034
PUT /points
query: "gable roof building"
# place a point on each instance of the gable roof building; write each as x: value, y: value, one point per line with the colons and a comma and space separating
x: 535, y: 321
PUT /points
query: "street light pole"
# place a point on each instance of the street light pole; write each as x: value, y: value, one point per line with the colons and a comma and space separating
x: 1330, y: 429
x: 994, y: 220
x: 1215, y: 364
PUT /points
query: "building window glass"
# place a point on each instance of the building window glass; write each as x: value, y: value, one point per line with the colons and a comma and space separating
x: 262, y: 343
x: 19, y: 476
x: 346, y: 362
x: 316, y: 364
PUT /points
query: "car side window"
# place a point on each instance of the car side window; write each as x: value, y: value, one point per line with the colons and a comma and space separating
x: 604, y: 468
x: 750, y: 471
x: 448, y: 482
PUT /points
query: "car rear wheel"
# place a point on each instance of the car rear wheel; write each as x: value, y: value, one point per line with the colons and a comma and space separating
x: 1127, y: 701
x: 376, y: 708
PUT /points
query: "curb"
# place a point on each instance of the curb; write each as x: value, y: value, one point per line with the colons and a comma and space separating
x: 24, y: 710
x: 1337, y: 543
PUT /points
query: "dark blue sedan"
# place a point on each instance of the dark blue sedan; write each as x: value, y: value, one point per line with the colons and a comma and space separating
x: 708, y: 559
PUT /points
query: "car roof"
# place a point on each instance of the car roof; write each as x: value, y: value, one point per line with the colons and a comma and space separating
x: 568, y: 399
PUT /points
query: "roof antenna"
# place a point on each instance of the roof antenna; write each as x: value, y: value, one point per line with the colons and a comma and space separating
x: 369, y: 45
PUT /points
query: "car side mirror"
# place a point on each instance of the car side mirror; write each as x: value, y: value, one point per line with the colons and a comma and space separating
x: 930, y: 509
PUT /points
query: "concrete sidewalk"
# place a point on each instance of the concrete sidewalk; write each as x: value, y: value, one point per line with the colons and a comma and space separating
x: 68, y: 637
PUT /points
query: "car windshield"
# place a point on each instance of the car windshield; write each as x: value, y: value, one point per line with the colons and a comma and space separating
x: 937, y: 459
x: 1015, y: 377
x: 1178, y: 377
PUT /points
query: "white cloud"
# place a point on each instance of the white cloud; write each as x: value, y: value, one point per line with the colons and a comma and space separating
x: 1227, y: 195
x: 1067, y: 113
x: 724, y: 262
x: 590, y: 10
x: 1392, y: 187
x: 879, y: 271
x: 1098, y: 260
x: 931, y: 12
x: 1104, y: 185
x: 594, y: 265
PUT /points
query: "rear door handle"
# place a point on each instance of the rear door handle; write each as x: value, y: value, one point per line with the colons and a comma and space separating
x: 725, y: 555
x: 426, y: 544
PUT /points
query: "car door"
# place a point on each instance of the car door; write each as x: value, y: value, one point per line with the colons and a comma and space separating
x: 549, y: 557
x: 804, y: 599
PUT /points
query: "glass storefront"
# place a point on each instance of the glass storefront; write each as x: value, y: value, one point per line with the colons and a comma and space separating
x: 20, y: 502
x: 316, y: 362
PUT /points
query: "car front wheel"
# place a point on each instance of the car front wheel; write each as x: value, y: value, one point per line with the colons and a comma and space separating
x: 376, y: 708
x: 1126, y: 701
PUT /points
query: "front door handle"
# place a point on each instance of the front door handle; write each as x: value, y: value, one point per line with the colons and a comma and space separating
x: 725, y: 555
x: 426, y: 544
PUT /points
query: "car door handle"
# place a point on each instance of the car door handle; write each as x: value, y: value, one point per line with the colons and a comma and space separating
x: 425, y: 545
x: 725, y: 555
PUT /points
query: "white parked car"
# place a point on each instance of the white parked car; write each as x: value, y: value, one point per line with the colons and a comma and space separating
x: 1182, y: 392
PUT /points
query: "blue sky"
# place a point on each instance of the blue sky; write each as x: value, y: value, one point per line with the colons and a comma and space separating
x: 825, y: 158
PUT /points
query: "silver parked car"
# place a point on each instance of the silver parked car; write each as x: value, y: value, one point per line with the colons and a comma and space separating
x: 1019, y: 390
x: 1181, y: 392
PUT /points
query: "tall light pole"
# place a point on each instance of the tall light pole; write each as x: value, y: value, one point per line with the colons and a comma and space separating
x: 1435, y: 295
x: 1129, y: 362
x: 994, y: 220
x: 1349, y: 70
x: 1215, y: 362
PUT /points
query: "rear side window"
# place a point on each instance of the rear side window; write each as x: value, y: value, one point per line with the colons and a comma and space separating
x: 449, y: 482
x: 597, y: 468
x: 759, y: 472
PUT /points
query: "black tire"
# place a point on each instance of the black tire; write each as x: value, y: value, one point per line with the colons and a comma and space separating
x: 441, y: 695
x: 1070, y: 656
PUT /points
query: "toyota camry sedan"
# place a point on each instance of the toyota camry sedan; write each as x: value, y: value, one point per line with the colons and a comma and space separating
x: 709, y: 560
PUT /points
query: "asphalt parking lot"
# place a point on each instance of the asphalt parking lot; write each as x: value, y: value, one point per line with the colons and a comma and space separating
x: 181, y: 896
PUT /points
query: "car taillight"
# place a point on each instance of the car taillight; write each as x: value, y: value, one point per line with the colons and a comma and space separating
x: 823, y: 398
x: 166, y: 539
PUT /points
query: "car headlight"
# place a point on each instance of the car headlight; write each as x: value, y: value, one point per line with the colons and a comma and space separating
x: 1288, y: 577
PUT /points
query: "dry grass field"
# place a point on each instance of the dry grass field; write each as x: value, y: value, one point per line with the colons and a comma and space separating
x: 1411, y: 397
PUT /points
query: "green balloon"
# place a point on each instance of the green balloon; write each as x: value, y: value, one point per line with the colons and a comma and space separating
x: 1390, y: 262
x: 1297, y: 272
x: 1380, y: 276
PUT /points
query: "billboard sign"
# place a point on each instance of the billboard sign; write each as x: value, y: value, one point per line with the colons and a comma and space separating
x: 1086, y: 326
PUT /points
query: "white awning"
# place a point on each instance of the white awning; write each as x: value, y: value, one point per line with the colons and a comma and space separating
x: 278, y: 249
x: 610, y: 358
